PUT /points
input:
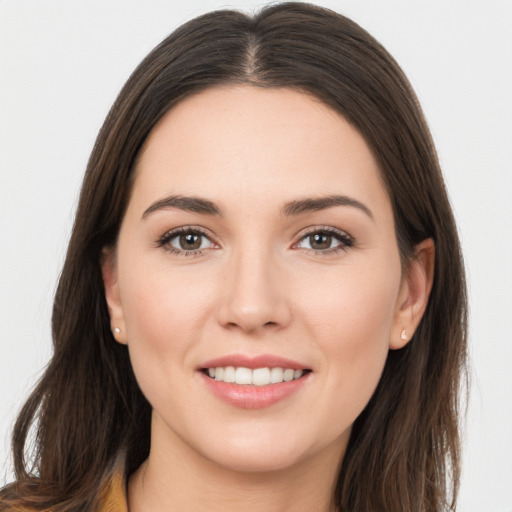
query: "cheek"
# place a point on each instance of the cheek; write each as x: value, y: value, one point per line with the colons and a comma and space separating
x: 164, y: 308
x: 349, y: 303
x: 350, y: 322
x: 164, y: 311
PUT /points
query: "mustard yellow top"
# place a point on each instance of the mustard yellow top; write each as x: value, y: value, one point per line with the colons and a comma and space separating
x: 113, y: 497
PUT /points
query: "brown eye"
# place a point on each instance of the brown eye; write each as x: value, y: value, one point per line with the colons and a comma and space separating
x: 190, y: 241
x: 186, y: 242
x: 325, y: 241
x: 320, y: 241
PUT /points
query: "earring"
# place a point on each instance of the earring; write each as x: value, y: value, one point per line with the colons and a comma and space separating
x: 403, y: 336
x: 117, y: 330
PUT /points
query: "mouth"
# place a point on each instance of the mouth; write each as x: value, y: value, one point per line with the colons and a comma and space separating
x: 254, y: 382
x: 244, y: 376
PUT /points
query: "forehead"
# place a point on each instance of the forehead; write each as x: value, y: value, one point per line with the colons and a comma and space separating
x: 247, y: 142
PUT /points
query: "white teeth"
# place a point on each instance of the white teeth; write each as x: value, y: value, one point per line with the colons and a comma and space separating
x: 276, y: 375
x: 256, y: 377
x: 243, y: 376
x: 229, y: 374
x: 261, y: 377
x: 288, y: 374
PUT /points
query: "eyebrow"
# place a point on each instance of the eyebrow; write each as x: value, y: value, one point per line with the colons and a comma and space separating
x: 296, y: 207
x: 322, y: 203
x: 188, y: 204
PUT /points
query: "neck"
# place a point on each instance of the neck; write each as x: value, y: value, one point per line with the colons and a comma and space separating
x: 175, y: 477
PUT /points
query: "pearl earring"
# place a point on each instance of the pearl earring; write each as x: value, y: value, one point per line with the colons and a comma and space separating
x: 403, y: 336
x: 117, y: 330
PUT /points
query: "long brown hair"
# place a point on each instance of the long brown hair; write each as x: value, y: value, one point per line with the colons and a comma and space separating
x: 87, y: 410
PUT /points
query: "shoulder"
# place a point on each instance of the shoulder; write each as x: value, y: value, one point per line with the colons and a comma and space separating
x: 112, y: 497
x: 26, y: 497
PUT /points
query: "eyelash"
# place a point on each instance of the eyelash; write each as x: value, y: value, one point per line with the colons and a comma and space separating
x: 346, y: 241
x: 166, y: 239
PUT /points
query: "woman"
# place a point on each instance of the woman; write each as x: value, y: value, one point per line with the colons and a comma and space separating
x: 263, y: 300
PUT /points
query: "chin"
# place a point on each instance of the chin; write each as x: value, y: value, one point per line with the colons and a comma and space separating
x: 258, y: 454
x: 258, y: 460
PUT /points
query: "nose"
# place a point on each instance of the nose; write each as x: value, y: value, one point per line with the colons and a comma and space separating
x: 254, y: 294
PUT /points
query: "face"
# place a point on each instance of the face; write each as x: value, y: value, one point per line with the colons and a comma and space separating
x: 258, y: 246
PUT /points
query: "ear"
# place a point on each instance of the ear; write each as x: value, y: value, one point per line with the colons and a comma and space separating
x: 112, y: 295
x: 414, y: 294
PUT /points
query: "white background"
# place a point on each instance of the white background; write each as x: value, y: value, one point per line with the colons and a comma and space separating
x: 61, y: 66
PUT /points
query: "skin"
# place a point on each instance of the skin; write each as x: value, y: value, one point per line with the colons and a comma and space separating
x: 258, y: 285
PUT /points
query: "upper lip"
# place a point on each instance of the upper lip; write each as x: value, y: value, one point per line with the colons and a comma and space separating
x: 253, y: 362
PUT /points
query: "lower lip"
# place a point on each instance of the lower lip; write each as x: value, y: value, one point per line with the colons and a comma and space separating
x: 253, y: 397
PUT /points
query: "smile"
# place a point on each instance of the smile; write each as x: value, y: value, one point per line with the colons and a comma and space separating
x: 253, y: 377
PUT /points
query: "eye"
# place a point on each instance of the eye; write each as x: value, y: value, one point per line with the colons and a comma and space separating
x: 186, y: 241
x: 325, y: 240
